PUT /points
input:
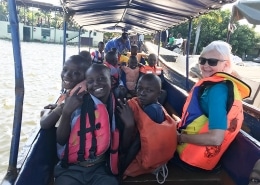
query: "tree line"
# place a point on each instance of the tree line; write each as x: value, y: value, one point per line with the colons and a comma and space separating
x: 214, y: 26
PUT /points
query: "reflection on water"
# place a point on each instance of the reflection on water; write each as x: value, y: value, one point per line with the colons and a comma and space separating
x: 41, y: 69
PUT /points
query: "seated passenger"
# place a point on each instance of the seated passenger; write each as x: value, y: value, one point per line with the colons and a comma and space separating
x: 134, y: 52
x: 87, y: 134
x: 156, y: 140
x: 130, y: 75
x: 86, y: 55
x: 117, y: 85
x: 152, y: 68
x: 73, y: 77
x: 99, y: 55
x: 254, y: 178
x: 213, y: 112
x: 178, y: 42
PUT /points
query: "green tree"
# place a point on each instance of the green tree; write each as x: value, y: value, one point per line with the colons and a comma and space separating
x: 214, y: 27
x: 3, y: 11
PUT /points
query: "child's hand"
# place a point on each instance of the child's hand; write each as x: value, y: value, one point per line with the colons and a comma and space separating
x: 50, y: 106
x: 72, y: 102
x: 125, y: 113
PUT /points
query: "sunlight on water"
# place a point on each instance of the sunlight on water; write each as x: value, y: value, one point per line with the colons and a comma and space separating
x: 42, y: 64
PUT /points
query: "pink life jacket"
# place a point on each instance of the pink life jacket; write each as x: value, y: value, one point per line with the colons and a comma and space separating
x: 93, y: 139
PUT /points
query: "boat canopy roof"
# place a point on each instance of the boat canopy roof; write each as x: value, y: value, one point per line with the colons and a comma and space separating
x: 248, y: 9
x: 140, y: 16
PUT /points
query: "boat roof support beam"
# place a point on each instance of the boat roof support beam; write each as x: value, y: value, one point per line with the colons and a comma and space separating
x: 129, y: 7
x: 187, y: 54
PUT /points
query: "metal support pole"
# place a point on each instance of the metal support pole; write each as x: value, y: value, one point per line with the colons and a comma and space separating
x: 19, y: 94
x: 187, y: 55
x: 32, y: 25
x: 89, y: 39
x: 64, y: 39
x: 159, y: 45
x: 79, y: 39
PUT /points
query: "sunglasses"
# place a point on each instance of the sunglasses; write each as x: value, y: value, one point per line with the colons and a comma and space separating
x: 211, y: 61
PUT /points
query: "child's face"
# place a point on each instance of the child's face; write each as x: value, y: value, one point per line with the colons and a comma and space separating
x: 72, y: 73
x: 99, y: 84
x: 254, y: 178
x: 148, y: 91
x: 112, y: 60
x: 134, y: 51
x: 152, y: 60
x: 100, y: 47
x: 133, y: 64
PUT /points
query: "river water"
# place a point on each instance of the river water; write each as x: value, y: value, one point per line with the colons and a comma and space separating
x: 42, y: 64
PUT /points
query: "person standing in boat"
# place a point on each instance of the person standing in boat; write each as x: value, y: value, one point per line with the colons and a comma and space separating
x: 99, y: 55
x: 122, y: 44
x: 87, y: 137
x: 213, y: 113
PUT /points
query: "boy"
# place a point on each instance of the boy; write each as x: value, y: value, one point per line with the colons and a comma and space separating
x: 117, y: 84
x: 99, y: 55
x: 154, y: 69
x: 86, y: 130
x: 156, y: 129
x: 130, y: 75
x: 72, y: 75
x: 139, y: 56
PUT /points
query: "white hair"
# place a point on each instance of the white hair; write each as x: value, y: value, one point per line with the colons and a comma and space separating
x: 223, y: 48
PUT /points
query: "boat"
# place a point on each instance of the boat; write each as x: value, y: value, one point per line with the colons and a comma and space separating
x: 35, y: 163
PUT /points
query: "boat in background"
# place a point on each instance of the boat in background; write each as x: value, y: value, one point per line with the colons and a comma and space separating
x: 38, y: 158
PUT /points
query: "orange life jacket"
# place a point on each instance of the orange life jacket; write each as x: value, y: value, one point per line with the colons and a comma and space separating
x: 194, y: 121
x: 158, y: 141
x: 98, y: 136
x: 148, y: 69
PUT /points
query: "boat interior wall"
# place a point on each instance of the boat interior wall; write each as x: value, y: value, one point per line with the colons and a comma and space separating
x: 39, y: 170
x: 240, y: 160
x: 142, y: 16
x: 248, y: 9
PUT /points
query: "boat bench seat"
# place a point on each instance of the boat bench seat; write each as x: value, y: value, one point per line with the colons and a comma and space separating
x: 178, y: 176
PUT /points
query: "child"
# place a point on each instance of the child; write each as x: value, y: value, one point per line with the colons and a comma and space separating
x: 154, y: 69
x: 130, y: 75
x: 139, y: 56
x: 98, y: 55
x: 255, y: 174
x: 86, y: 130
x: 85, y: 54
x: 73, y: 74
x: 117, y: 84
x: 156, y: 129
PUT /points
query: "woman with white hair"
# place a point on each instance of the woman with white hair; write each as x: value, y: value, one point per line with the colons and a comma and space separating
x: 213, y: 113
